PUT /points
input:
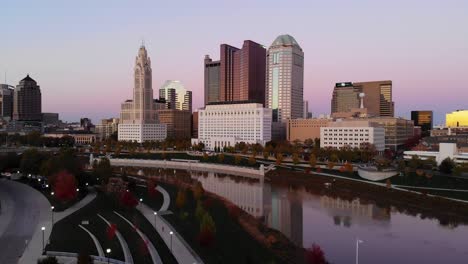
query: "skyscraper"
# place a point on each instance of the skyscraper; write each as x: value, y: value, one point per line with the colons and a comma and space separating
x: 422, y: 119
x: 176, y: 96
x: 6, y: 102
x: 27, y: 105
x: 138, y: 118
x: 285, y: 78
x: 239, y: 75
x: 377, y: 97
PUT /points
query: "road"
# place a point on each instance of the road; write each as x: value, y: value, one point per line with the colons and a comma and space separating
x: 24, y: 212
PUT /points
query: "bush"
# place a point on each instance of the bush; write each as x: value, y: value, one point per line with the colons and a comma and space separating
x: 447, y: 166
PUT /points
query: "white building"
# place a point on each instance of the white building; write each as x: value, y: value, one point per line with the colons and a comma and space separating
x: 352, y: 134
x: 225, y: 124
x: 107, y: 127
x: 285, y: 79
x: 138, y: 118
x: 176, y: 96
x: 446, y: 150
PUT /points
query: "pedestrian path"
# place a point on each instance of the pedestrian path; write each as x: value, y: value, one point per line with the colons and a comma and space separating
x: 95, y: 240
x: 86, y: 200
x: 152, y: 250
x: 127, y: 254
x: 166, y: 198
x: 178, y: 246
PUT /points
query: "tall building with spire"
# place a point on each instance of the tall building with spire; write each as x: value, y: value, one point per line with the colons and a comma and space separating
x: 138, y: 118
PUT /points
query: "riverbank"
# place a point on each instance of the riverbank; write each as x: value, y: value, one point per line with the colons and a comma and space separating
x: 447, y: 212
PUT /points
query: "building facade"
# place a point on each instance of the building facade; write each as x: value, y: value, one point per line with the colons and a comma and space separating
x: 285, y: 79
x: 225, y: 124
x: 353, y: 134
x: 446, y: 150
x: 138, y: 119
x: 302, y: 129
x: 457, y: 118
x: 195, y: 124
x: 423, y: 119
x: 212, y: 80
x: 397, y: 130
x: 50, y: 119
x: 107, y: 127
x: 176, y: 96
x: 178, y: 123
x: 376, y: 98
x: 27, y: 101
x: 6, y: 102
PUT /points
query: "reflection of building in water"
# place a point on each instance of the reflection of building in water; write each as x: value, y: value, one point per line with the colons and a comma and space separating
x: 347, y: 212
x: 285, y: 214
x: 247, y: 195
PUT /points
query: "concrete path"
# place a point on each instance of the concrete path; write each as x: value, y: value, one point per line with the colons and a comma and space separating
x: 430, y: 188
x: 152, y: 250
x: 24, y: 212
x: 127, y: 254
x: 86, y: 200
x: 95, y: 240
x: 178, y: 246
x: 166, y: 198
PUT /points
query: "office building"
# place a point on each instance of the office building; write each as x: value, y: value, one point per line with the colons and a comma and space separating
x: 106, y: 128
x: 285, y: 79
x: 353, y: 134
x: 50, y: 119
x: 302, y: 129
x: 457, y: 118
x: 195, y: 124
x: 305, y: 110
x: 178, y: 123
x: 397, y: 131
x: 423, y: 119
x: 225, y: 124
x: 27, y: 102
x: 239, y: 75
x: 377, y: 98
x: 6, y: 102
x: 138, y: 118
x: 176, y: 96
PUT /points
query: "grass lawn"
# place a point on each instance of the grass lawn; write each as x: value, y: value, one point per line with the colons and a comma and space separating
x: 232, y: 243
x: 68, y: 237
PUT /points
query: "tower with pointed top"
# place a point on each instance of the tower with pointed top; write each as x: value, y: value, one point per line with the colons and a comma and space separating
x: 138, y: 118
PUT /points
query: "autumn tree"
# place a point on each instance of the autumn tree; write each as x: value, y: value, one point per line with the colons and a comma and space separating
x: 221, y: 158
x: 128, y: 200
x: 237, y: 159
x: 312, y: 160
x: 315, y: 255
x: 252, y: 160
x: 198, y: 191
x: 65, y: 186
x: 295, y: 158
x: 31, y: 162
x: 266, y: 154
x: 447, y: 166
x: 279, y: 158
x: 181, y: 199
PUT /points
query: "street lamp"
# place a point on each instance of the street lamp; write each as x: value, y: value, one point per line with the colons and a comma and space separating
x: 52, y: 193
x: 358, y: 241
x: 108, y: 251
x: 43, y: 248
x: 171, y: 233
x: 52, y: 214
x: 155, y: 214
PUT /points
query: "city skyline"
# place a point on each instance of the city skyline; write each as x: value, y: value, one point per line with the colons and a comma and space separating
x: 86, y: 72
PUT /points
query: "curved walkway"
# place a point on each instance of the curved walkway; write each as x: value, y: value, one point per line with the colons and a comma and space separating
x: 152, y: 250
x: 24, y: 211
x: 127, y: 255
x: 95, y: 240
x: 61, y: 215
x: 166, y: 198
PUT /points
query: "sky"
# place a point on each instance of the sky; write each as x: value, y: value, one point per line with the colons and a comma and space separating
x: 82, y: 53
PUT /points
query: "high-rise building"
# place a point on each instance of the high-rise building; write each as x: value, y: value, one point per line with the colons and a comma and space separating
x: 239, y: 75
x: 423, y: 119
x: 302, y: 129
x: 305, y: 110
x: 6, y: 102
x: 50, y: 119
x: 457, y: 118
x: 178, y: 123
x: 285, y: 79
x: 107, y: 127
x: 212, y: 80
x: 176, y: 96
x: 27, y: 102
x: 195, y: 124
x: 138, y: 119
x: 376, y: 98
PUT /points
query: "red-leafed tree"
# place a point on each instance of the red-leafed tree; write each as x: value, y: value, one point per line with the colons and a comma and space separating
x: 127, y: 199
x: 319, y: 170
x: 151, y: 185
x: 65, y: 186
x: 208, y: 203
x: 111, y: 231
x: 206, y: 238
x: 234, y: 212
x: 315, y: 255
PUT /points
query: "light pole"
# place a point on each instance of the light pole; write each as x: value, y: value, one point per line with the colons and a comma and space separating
x: 108, y: 251
x: 52, y: 214
x: 43, y: 230
x: 171, y: 233
x: 358, y: 241
x: 155, y: 215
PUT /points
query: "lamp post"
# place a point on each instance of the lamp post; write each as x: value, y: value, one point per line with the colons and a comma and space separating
x: 108, y: 251
x: 155, y: 215
x: 52, y: 214
x: 171, y: 233
x: 43, y: 230
x: 358, y: 241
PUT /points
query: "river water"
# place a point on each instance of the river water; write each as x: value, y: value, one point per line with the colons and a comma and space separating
x: 335, y: 223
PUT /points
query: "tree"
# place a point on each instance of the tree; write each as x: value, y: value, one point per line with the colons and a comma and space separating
x: 237, y: 159
x: 128, y: 200
x: 31, y: 162
x: 48, y: 260
x: 266, y: 154
x: 331, y: 165
x: 198, y: 191
x: 65, y: 186
x: 221, y: 158
x: 199, y: 211
x: 252, y: 160
x: 295, y: 158
x: 334, y: 157
x: 84, y: 258
x: 9, y: 161
x: 103, y: 169
x: 447, y: 166
x: 180, y: 199
x: 315, y: 255
x: 312, y: 160
x: 279, y: 158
